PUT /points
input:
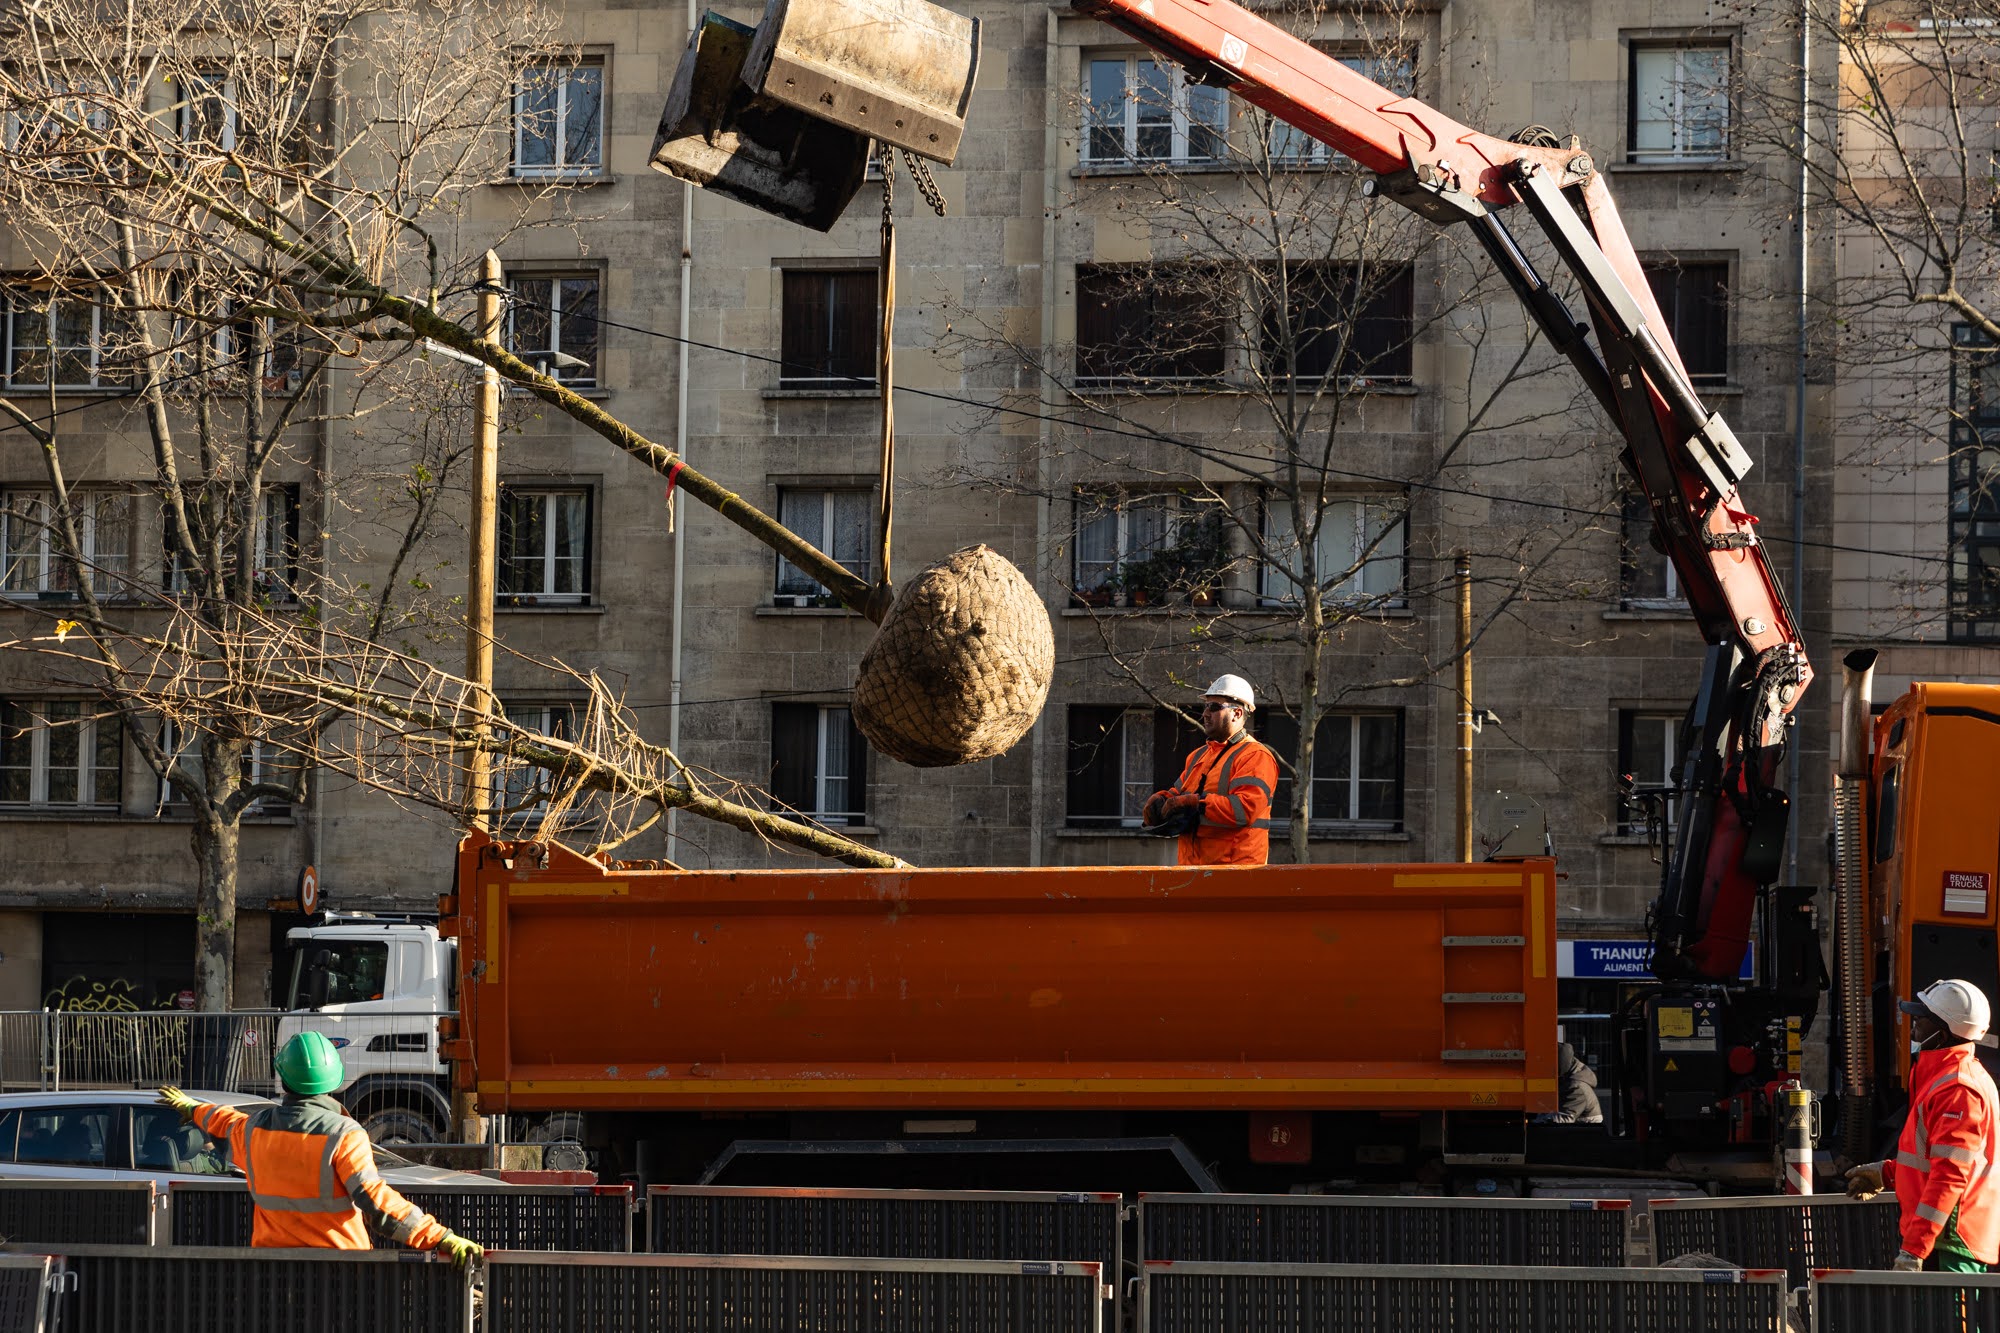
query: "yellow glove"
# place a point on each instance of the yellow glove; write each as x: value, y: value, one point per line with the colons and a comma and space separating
x: 1907, y: 1263
x: 180, y: 1101
x: 1864, y: 1181
x: 460, y: 1250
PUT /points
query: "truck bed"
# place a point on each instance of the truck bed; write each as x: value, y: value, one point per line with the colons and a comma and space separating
x: 1414, y: 987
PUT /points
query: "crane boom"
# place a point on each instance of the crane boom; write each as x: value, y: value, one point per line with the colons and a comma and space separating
x: 1729, y: 814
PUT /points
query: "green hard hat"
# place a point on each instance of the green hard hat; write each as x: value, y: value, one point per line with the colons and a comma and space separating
x: 308, y: 1065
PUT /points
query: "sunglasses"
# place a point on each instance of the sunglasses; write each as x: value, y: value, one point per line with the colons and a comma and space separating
x: 1218, y: 708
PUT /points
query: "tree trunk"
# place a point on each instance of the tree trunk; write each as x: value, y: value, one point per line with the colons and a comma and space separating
x: 216, y: 836
x: 1314, y: 629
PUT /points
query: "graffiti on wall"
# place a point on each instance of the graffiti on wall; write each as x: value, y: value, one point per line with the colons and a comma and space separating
x: 82, y: 995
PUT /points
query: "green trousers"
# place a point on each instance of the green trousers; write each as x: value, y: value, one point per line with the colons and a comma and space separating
x: 1949, y: 1255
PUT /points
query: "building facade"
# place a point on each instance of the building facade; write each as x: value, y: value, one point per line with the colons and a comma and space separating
x: 1065, y: 403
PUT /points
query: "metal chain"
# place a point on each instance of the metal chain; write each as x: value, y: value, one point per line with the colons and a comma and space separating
x: 885, y: 158
x: 927, y: 187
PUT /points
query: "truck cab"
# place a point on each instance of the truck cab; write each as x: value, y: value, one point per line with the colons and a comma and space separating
x: 376, y: 987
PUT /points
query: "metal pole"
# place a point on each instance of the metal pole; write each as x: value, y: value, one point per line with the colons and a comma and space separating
x: 1797, y: 1114
x: 1464, y: 705
x: 480, y: 574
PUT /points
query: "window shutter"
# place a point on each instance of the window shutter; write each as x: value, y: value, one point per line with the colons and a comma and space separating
x: 1173, y: 738
x: 1095, y: 761
x: 857, y: 768
x: 794, y: 750
x: 1280, y: 734
x: 856, y: 324
x: 802, y: 346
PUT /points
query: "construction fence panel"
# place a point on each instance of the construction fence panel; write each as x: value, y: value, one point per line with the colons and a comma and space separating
x: 175, y: 1289
x: 499, y: 1216
x: 24, y: 1293
x: 56, y: 1050
x: 1850, y: 1302
x: 78, y: 1212
x: 1792, y: 1232
x: 1340, y: 1229
x: 688, y: 1293
x: 1356, y: 1298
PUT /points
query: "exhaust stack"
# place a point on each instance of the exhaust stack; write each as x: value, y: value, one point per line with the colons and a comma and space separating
x: 1850, y: 835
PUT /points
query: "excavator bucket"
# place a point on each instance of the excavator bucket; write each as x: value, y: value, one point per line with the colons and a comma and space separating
x: 723, y: 136
x: 900, y: 71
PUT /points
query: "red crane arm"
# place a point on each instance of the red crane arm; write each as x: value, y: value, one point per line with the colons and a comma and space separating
x: 1729, y: 817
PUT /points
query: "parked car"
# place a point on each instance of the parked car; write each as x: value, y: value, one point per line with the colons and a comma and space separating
x: 127, y: 1135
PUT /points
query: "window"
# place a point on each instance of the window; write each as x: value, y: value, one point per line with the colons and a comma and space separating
x: 1117, y: 757
x: 71, y: 337
x: 1361, y: 542
x: 1648, y: 754
x: 31, y: 548
x: 1694, y: 298
x: 521, y: 792
x: 1394, y: 69
x: 559, y: 119
x: 819, y: 763
x: 206, y: 114
x: 1357, y: 768
x: 1349, y: 320
x: 81, y: 1135
x: 1142, y: 549
x: 59, y: 752
x: 1647, y: 579
x: 274, y: 549
x: 356, y: 970
x: 160, y: 1142
x: 262, y: 762
x: 1142, y: 110
x: 1138, y: 325
x: 1679, y: 103
x: 1973, y: 598
x: 829, y: 329
x: 837, y: 521
x: 544, y: 544
x: 57, y: 134
x: 552, y: 325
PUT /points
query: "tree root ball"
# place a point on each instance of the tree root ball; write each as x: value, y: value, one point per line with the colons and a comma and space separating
x: 961, y: 666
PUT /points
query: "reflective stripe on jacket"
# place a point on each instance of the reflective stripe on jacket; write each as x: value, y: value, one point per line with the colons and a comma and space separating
x: 1944, y: 1161
x: 311, y: 1172
x: 1235, y: 779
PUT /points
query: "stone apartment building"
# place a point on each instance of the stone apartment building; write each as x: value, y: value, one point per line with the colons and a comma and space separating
x: 1019, y: 401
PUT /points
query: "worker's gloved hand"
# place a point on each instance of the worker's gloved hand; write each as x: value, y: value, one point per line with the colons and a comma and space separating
x: 1154, y: 810
x: 180, y: 1101
x: 1907, y: 1263
x: 1864, y: 1181
x: 460, y: 1250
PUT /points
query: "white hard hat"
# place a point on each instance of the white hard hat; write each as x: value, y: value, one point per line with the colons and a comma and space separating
x: 1959, y: 1005
x: 1235, y: 689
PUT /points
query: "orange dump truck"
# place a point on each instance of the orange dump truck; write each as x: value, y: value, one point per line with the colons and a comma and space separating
x: 1228, y: 1008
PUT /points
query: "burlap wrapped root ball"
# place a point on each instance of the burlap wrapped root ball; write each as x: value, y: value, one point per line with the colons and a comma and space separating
x: 960, y: 668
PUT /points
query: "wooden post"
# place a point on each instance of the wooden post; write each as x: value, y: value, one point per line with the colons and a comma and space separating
x: 482, y: 567
x: 1464, y: 564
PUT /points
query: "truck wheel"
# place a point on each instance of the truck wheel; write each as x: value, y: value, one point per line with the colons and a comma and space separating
x: 561, y: 1135
x: 391, y: 1125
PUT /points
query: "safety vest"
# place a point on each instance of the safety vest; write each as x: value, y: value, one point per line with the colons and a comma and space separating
x: 1234, y: 778
x: 311, y: 1173
x: 1944, y: 1161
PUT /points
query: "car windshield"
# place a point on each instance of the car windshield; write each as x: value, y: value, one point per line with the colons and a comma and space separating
x: 355, y: 971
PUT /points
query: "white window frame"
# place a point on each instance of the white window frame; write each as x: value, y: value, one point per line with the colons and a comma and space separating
x: 261, y: 761
x: 544, y: 358
x: 274, y: 568
x: 1682, y: 102
x: 1350, y: 819
x: 98, y: 119
x: 100, y: 376
x: 1180, y: 116
x: 216, y: 86
x: 858, y: 563
x: 545, y: 596
x: 833, y: 721
x: 510, y: 784
x: 1393, y: 68
x: 1349, y: 541
x: 1123, y: 507
x: 86, y: 722
x: 1631, y: 818
x: 563, y: 73
x: 40, y: 570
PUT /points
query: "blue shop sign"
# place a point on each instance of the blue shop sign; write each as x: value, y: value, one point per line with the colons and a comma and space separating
x: 1620, y: 960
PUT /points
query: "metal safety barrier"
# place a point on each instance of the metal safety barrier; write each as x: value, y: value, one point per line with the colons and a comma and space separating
x: 885, y: 1224
x: 1797, y: 1234
x: 1357, y: 1298
x: 1343, y: 1229
x: 1848, y: 1302
x: 24, y: 1292
x: 51, y: 1050
x: 693, y: 1293
x: 173, y: 1289
x: 499, y: 1216
x: 78, y: 1212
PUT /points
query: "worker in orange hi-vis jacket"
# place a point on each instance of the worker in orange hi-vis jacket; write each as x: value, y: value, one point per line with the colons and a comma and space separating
x: 1220, y: 808
x: 1943, y: 1168
x: 311, y: 1170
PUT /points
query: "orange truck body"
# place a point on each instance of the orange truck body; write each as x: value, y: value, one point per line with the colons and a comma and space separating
x: 1392, y: 987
